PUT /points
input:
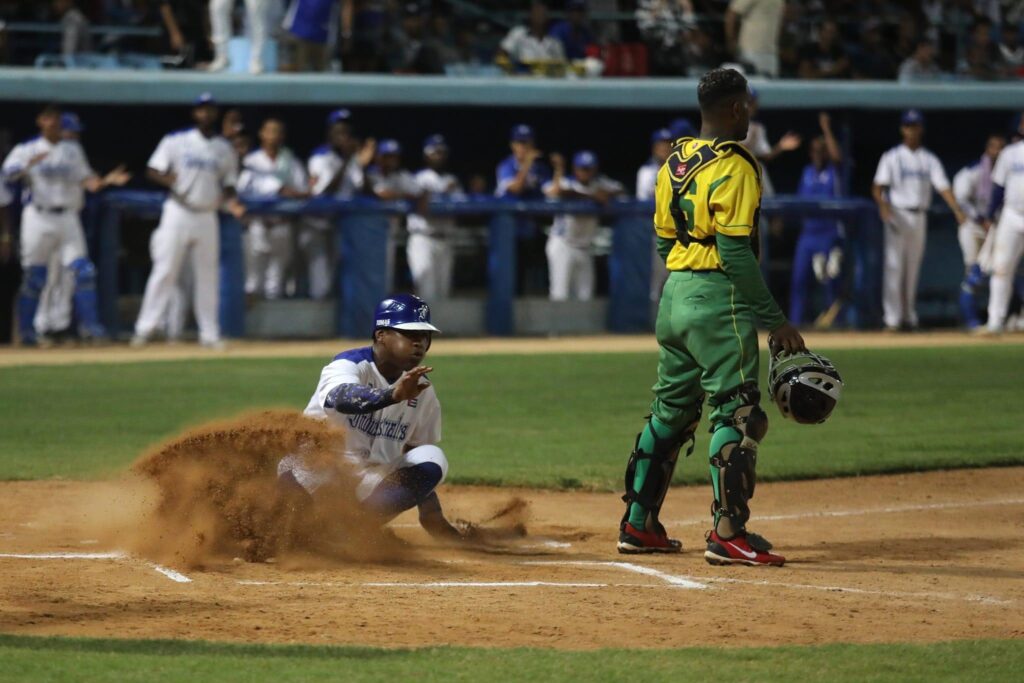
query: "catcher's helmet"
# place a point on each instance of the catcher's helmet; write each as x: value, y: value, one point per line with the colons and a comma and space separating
x: 403, y: 312
x: 804, y: 385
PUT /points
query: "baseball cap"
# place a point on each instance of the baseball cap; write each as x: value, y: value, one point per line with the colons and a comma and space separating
x: 912, y: 117
x: 403, y: 312
x: 585, y: 159
x: 434, y: 143
x: 339, y: 115
x: 205, y: 99
x: 389, y: 146
x: 69, y: 121
x: 682, y: 128
x: 521, y: 133
x: 662, y: 135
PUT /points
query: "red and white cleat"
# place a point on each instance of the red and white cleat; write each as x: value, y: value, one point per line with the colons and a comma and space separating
x: 737, y: 550
x: 633, y: 541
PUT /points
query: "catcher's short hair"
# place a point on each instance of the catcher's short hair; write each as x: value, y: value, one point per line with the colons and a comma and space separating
x: 718, y: 86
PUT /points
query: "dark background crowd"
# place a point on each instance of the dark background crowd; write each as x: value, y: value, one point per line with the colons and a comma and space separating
x: 806, y: 39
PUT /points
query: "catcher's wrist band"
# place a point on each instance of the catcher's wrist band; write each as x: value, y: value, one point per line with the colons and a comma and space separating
x: 359, y: 399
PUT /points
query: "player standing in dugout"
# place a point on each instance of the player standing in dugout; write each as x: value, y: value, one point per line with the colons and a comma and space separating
x: 707, y: 204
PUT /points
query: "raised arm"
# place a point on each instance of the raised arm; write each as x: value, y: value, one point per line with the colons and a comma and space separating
x: 831, y: 144
x: 359, y: 399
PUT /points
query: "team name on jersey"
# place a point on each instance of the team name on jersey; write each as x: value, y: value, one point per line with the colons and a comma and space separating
x: 54, y: 171
x: 906, y: 172
x: 199, y: 162
x: 385, y: 429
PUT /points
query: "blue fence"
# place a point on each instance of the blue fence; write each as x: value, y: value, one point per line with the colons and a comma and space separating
x: 361, y: 242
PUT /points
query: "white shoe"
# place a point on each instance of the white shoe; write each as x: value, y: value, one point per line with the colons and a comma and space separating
x: 218, y: 64
x: 255, y: 68
x: 138, y: 341
x: 215, y: 345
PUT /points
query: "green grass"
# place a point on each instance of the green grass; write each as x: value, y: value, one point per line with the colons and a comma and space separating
x: 545, y: 420
x: 63, y: 659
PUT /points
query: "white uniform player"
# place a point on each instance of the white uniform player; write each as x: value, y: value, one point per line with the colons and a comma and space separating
x: 391, y: 416
x: 571, y: 243
x: 1008, y: 179
x: 646, y: 178
x: 389, y: 181
x: 271, y: 171
x: 336, y: 169
x: 972, y: 187
x: 53, y: 172
x: 200, y: 169
x: 902, y: 188
x: 429, y: 250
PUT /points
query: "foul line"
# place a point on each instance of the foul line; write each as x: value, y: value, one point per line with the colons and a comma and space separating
x: 430, y: 584
x: 177, y: 577
x: 867, y: 511
x: 686, y: 581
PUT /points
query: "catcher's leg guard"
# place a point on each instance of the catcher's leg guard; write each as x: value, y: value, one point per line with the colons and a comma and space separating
x: 649, y: 472
x: 734, y: 462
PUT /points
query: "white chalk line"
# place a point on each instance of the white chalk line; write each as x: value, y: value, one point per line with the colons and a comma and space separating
x: 866, y: 511
x: 447, y: 584
x: 683, y: 580
x: 177, y: 577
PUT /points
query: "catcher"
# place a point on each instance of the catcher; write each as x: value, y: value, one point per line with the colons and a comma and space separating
x: 708, y: 196
x: 380, y: 395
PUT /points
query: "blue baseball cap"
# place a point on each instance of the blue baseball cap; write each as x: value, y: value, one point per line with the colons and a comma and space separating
x: 339, y: 116
x: 69, y: 121
x: 662, y: 135
x: 521, y: 133
x: 434, y: 143
x: 205, y: 99
x: 682, y: 128
x: 389, y: 146
x: 912, y: 117
x: 585, y: 159
x: 753, y: 92
x: 403, y: 312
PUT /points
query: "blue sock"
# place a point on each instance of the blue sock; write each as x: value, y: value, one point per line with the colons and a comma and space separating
x: 404, y: 489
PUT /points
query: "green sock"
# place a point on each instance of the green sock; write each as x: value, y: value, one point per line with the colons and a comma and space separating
x: 653, y: 431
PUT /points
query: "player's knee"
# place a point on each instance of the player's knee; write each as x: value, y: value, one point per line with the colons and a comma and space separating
x: 33, y: 281
x: 429, y: 454
x: 85, y: 273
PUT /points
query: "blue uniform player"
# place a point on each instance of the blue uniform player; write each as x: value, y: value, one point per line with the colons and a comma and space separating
x: 523, y: 173
x: 818, y: 256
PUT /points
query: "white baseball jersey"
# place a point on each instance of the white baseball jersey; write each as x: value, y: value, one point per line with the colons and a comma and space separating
x: 202, y: 166
x: 400, y: 181
x: 440, y: 186
x: 646, y: 178
x: 379, y: 438
x: 1009, y: 174
x: 262, y: 176
x: 969, y: 192
x: 910, y: 175
x: 324, y: 165
x: 55, y: 182
x: 523, y: 46
x: 579, y: 230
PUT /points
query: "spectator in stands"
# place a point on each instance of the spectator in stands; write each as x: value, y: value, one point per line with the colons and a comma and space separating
x: 668, y: 28
x: 907, y: 37
x: 185, y: 24
x: 920, y: 66
x: 1010, y: 50
x: 74, y: 29
x: 752, y: 33
x: 367, y: 37
x: 982, y: 59
x: 531, y: 48
x: 221, y: 20
x: 573, y: 32
x: 412, y: 50
x: 307, y: 29
x: 825, y: 58
x: 872, y: 58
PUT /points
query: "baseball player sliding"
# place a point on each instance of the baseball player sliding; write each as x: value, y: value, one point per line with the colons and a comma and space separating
x: 53, y: 172
x: 380, y: 395
x: 199, y: 168
x: 972, y: 187
x: 903, y: 191
x: 707, y: 202
x: 1007, y: 195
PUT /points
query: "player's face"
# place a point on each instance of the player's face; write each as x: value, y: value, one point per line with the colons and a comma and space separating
x: 49, y: 125
x: 272, y: 134
x: 405, y: 349
x: 817, y: 152
x: 437, y: 158
x: 995, y: 146
x: 912, y: 135
x: 340, y: 136
x: 584, y: 174
x: 660, y: 150
x: 205, y: 116
x: 520, y: 149
x: 388, y: 162
x: 241, y: 144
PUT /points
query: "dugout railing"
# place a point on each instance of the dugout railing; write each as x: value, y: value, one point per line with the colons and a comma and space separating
x: 361, y: 239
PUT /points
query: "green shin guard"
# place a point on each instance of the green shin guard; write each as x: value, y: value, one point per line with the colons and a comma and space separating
x: 649, y: 472
x: 733, y: 461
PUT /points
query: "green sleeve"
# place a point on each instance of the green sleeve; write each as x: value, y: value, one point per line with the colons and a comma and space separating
x: 664, y: 246
x: 740, y: 264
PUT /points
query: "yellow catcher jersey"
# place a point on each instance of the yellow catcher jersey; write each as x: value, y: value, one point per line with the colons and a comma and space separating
x: 706, y: 187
